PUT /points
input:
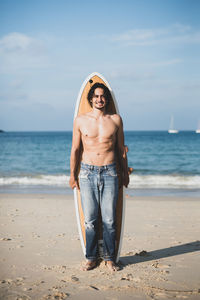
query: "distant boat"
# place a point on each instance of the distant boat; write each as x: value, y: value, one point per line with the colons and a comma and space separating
x: 198, y: 128
x: 171, y: 127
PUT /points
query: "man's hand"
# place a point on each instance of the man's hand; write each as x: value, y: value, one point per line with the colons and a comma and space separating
x: 73, y: 182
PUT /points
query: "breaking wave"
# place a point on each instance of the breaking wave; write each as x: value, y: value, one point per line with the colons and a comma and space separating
x: 136, y: 181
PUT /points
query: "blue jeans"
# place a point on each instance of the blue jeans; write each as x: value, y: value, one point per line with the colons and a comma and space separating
x: 99, y: 190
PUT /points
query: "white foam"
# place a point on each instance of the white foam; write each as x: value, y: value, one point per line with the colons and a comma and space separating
x: 53, y: 180
x: 164, y: 181
x: 136, y: 181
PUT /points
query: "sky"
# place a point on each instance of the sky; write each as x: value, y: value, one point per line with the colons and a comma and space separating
x: 148, y: 51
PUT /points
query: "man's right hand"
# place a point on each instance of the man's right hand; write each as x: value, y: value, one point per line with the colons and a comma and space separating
x: 73, y: 182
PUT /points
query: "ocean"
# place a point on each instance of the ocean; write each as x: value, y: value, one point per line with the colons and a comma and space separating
x: 39, y: 162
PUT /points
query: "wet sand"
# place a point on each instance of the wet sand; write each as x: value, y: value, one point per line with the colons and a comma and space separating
x: 41, y: 253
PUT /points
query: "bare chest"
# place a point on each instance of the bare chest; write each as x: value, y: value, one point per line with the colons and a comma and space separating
x: 99, y: 129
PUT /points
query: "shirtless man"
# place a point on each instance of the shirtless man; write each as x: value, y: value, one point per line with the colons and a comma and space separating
x: 101, y: 138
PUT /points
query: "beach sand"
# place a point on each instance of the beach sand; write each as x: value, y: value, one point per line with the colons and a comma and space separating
x: 41, y: 253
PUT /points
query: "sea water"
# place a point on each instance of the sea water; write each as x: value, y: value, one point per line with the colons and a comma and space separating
x: 163, y: 163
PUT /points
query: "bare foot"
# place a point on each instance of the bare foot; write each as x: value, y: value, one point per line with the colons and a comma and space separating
x: 89, y: 265
x: 112, y: 266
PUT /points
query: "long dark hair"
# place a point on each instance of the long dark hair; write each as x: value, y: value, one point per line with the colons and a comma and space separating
x: 107, y: 93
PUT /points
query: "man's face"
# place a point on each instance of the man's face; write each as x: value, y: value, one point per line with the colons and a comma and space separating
x: 98, y: 100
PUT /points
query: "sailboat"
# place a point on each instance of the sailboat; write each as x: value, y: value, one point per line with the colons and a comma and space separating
x: 171, y: 127
x: 198, y: 128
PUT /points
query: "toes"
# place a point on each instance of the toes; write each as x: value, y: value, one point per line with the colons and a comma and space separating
x: 112, y: 267
x: 89, y: 266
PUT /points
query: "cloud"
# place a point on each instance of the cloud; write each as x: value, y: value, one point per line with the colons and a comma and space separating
x: 19, y: 43
x: 176, y: 33
x: 19, y: 52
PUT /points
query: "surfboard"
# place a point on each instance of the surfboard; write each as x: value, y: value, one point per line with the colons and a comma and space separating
x: 82, y: 106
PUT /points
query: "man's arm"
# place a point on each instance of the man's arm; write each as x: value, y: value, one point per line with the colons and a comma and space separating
x: 75, y: 155
x: 121, y: 151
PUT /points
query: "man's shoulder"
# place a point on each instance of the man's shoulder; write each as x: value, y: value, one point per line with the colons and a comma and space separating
x: 116, y: 118
x: 81, y: 117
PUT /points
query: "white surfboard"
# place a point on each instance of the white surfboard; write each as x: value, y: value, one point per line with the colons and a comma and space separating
x: 82, y: 106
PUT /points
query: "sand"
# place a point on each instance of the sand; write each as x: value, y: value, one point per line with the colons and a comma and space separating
x: 41, y: 254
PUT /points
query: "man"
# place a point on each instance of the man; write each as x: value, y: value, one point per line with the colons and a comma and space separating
x: 99, y: 135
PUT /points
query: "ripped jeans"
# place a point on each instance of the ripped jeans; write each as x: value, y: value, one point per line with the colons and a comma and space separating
x: 99, y: 190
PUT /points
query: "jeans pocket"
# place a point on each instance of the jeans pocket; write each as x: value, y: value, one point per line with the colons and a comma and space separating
x: 112, y: 173
x: 83, y: 174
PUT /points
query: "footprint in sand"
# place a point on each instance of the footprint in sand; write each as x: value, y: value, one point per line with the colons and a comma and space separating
x: 6, y: 281
x: 160, y: 295
x: 74, y: 278
x: 160, y: 266
x: 61, y: 234
x: 27, y: 289
x: 6, y: 239
x: 37, y: 283
x: 19, y: 246
x: 127, y: 277
x: 57, y: 295
x: 35, y: 235
x: 19, y: 281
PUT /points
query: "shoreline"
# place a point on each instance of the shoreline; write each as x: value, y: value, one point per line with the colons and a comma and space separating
x: 131, y: 192
x: 41, y: 252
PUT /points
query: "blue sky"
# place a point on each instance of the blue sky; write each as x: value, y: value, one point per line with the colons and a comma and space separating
x: 148, y: 50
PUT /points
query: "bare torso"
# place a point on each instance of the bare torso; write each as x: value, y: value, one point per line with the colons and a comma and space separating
x: 98, y: 137
x: 101, y: 135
